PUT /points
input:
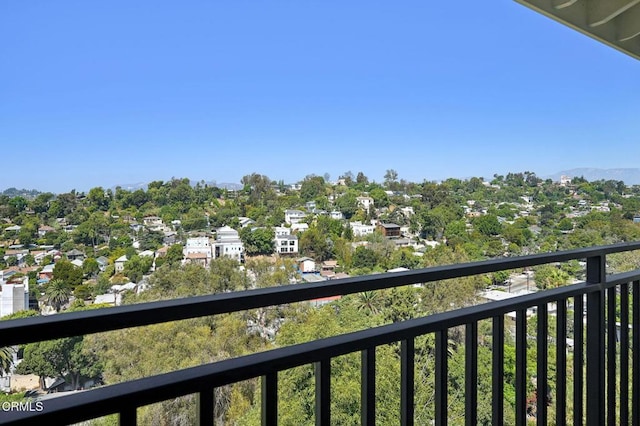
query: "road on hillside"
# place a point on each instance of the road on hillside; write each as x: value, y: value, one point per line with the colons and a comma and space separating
x: 519, y: 282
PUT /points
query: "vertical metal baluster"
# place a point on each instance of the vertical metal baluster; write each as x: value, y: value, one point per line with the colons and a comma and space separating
x: 521, y: 367
x: 497, y: 380
x: 129, y: 416
x: 578, y: 359
x: 471, y: 374
x: 635, y: 392
x: 624, y: 354
x: 407, y: 359
x: 595, y: 343
x: 323, y: 392
x: 561, y: 363
x: 442, y: 375
x: 368, y: 387
x: 542, y: 364
x: 205, y: 407
x: 270, y: 399
x: 611, y: 356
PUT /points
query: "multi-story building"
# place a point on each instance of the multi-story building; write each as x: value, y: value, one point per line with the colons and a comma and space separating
x: 198, y: 250
x: 280, y: 231
x: 286, y: 244
x: 365, y: 202
x: 14, y: 296
x: 228, y: 243
x: 294, y: 216
x: 360, y: 230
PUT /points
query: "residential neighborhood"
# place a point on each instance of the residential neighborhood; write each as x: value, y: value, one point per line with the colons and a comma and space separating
x: 66, y: 252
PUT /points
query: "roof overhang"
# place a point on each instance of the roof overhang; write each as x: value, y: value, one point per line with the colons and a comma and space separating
x: 613, y: 22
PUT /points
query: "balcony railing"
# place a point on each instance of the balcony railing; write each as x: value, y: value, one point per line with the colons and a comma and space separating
x: 601, y: 378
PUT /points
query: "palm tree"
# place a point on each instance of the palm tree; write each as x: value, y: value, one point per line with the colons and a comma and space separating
x: 6, y: 359
x: 57, y: 294
x: 369, y: 301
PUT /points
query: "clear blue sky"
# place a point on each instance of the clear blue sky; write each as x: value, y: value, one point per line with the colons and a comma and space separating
x: 98, y: 93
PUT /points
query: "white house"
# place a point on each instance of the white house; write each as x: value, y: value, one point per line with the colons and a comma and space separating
x: 337, y: 215
x: 44, y: 230
x: 293, y: 216
x: 147, y: 253
x: 286, y: 244
x: 198, y: 248
x: 365, y: 202
x: 280, y: 231
x: 77, y: 263
x: 245, y: 221
x: 13, y: 297
x: 361, y: 230
x: 103, y: 262
x: 299, y: 227
x: 407, y: 211
x: 228, y: 244
x: 119, y: 263
x: 306, y: 264
x: 152, y: 222
x: 113, y: 299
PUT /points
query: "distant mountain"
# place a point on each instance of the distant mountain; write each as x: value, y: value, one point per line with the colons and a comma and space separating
x: 141, y: 185
x: 131, y: 186
x: 231, y: 186
x: 628, y: 176
x: 26, y: 193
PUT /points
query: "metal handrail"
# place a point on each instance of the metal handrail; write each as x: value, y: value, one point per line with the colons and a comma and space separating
x: 124, y: 398
x: 36, y: 329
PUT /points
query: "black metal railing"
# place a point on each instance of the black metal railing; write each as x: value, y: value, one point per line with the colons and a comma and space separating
x: 602, y: 384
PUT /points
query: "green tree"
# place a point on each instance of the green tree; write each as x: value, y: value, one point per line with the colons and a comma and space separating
x: 68, y: 273
x: 328, y: 226
x: 57, y: 294
x: 18, y: 205
x: 137, y: 198
x: 364, y: 257
x: 90, y: 267
x: 91, y: 231
x: 6, y: 360
x: 380, y: 198
x: 29, y: 260
x: 315, y: 244
x: 151, y: 240
x: 549, y: 276
x: 347, y: 204
x: 257, y: 241
x: 174, y: 255
x: 369, y: 301
x: 40, y: 204
x: 487, y: 224
x: 312, y: 187
x: 403, y: 258
x: 67, y: 358
x: 565, y: 224
x: 27, y: 234
x: 391, y: 179
x: 258, y: 187
x: 137, y: 266
x: 98, y: 198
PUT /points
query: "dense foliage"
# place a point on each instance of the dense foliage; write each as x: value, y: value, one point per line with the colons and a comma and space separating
x: 443, y: 223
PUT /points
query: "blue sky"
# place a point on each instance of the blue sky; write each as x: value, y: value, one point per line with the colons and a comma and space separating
x: 114, y: 92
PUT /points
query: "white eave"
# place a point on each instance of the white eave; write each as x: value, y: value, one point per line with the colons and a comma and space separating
x: 613, y: 22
